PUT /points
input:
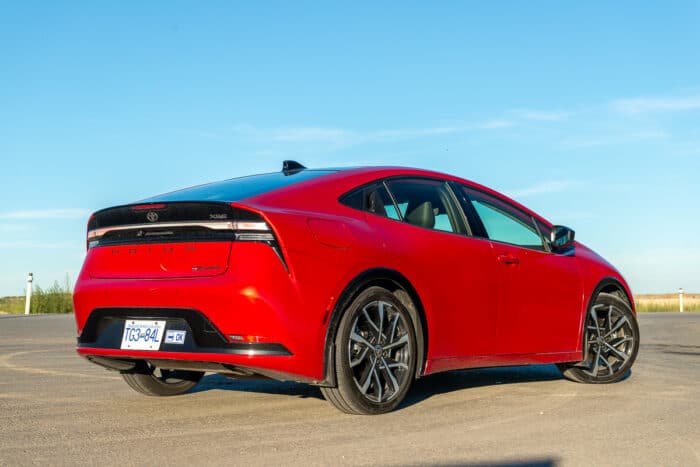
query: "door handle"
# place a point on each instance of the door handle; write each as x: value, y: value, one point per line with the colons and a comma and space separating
x: 508, y: 259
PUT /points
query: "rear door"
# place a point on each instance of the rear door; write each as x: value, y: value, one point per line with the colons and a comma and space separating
x: 540, y: 294
x: 457, y: 277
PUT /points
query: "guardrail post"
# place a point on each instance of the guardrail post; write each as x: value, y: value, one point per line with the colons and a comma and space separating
x: 680, y: 299
x: 28, y: 300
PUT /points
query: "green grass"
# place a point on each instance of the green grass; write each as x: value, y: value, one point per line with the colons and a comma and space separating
x: 55, y: 299
x: 11, y: 305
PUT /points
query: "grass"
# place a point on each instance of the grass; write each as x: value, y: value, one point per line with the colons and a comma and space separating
x: 58, y: 299
x: 11, y: 305
x: 667, y: 302
x: 55, y: 299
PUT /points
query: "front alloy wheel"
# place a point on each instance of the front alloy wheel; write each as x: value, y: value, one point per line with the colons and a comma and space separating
x: 610, y: 345
x: 375, y: 354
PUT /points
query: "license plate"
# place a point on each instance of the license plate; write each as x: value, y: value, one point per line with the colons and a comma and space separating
x: 142, y: 334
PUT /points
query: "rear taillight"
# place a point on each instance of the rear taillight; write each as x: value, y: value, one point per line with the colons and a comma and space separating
x: 87, y: 237
x: 253, y: 231
x: 252, y: 227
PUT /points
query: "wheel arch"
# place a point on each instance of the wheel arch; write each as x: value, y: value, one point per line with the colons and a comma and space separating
x: 612, y: 286
x: 402, y: 288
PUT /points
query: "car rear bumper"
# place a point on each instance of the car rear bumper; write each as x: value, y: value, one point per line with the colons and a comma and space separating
x: 276, y: 367
x: 204, y: 346
x: 252, y: 316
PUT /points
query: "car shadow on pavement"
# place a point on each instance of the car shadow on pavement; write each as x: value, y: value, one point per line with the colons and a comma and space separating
x: 458, y: 380
x: 544, y: 462
x: 259, y: 385
x: 422, y: 389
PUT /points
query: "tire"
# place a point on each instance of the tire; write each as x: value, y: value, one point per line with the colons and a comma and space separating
x: 610, y: 343
x: 375, y: 356
x: 153, y: 381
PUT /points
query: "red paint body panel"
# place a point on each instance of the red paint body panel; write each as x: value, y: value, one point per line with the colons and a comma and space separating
x: 159, y: 261
x: 537, y: 314
x: 478, y: 311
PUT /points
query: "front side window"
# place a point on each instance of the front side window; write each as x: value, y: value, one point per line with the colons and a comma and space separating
x: 504, y: 223
x: 426, y: 203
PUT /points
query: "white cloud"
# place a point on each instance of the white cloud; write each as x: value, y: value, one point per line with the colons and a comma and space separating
x: 615, y: 139
x: 340, y: 136
x: 410, y: 133
x: 12, y: 227
x: 495, y: 124
x: 296, y: 134
x: 639, y: 105
x: 306, y: 134
x: 541, y: 115
x: 347, y: 137
x: 45, y: 214
x: 541, y: 188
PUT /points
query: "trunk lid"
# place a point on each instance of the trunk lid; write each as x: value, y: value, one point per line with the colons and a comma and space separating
x: 162, y: 240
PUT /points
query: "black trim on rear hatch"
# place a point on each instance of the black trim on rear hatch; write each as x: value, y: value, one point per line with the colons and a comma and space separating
x: 174, y: 222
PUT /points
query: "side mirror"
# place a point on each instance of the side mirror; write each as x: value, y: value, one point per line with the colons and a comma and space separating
x: 561, y: 238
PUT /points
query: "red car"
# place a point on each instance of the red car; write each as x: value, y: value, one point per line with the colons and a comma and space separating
x: 356, y: 280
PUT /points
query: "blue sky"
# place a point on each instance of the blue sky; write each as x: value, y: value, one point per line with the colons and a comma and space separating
x: 587, y: 112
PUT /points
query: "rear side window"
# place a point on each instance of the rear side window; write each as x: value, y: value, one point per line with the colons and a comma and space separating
x: 373, y: 199
x: 504, y: 223
x: 426, y: 203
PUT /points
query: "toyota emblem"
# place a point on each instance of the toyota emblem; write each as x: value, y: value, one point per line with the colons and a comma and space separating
x: 152, y: 216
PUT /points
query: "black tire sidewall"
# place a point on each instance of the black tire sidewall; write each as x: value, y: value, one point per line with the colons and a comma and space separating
x: 608, y: 299
x: 346, y: 384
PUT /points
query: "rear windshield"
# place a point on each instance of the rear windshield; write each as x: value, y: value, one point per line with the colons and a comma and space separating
x: 237, y: 189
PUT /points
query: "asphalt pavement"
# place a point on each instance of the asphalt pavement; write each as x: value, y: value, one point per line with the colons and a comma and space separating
x: 58, y: 409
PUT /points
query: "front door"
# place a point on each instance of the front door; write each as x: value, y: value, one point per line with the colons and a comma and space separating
x: 540, y: 294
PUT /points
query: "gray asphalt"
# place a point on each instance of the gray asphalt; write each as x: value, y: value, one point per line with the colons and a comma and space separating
x: 58, y: 409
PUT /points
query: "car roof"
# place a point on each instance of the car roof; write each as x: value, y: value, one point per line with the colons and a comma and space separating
x: 291, y: 189
x: 335, y: 182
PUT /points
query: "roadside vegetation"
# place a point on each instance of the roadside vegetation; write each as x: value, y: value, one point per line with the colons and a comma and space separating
x: 667, y: 302
x: 59, y: 299
x: 55, y: 299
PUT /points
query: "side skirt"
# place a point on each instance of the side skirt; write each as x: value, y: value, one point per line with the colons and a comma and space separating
x: 459, y: 363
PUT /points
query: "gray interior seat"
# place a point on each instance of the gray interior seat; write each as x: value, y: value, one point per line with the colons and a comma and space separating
x: 422, y: 216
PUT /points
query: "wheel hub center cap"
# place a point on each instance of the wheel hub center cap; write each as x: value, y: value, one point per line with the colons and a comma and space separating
x: 378, y: 350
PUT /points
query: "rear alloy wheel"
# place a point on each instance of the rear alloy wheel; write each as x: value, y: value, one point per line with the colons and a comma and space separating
x: 610, y: 343
x: 153, y: 381
x: 375, y: 355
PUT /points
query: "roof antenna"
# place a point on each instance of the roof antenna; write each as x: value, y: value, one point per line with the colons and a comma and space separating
x: 291, y: 167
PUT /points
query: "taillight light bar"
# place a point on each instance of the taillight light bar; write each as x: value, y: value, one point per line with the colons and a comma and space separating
x: 247, y: 231
x: 98, y: 233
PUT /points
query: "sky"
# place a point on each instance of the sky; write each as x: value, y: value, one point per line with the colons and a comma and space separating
x: 586, y: 112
